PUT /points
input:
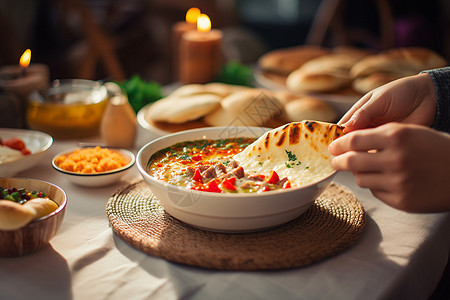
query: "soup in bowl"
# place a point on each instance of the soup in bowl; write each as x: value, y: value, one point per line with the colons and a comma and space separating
x: 238, y: 179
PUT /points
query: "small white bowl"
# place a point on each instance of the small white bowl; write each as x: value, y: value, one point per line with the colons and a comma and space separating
x: 227, y: 212
x: 96, y: 179
x: 36, y: 141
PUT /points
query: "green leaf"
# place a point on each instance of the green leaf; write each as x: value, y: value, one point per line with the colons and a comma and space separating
x: 237, y: 74
x: 141, y: 92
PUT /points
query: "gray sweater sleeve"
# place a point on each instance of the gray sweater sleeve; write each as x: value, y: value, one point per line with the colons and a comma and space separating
x: 441, y: 81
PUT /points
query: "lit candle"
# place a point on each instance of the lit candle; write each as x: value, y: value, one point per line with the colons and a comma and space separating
x: 21, y: 80
x: 178, y: 29
x: 25, y: 77
x: 24, y: 62
x: 200, y: 53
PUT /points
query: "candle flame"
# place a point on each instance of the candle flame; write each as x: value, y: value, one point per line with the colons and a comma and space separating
x: 203, y: 23
x: 25, y: 58
x: 192, y: 15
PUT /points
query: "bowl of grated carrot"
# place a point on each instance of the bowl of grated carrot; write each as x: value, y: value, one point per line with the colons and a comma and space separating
x: 93, y: 166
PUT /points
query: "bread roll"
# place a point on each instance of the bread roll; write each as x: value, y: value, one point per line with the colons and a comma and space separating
x: 400, y: 61
x: 188, y: 90
x: 14, y: 215
x: 222, y: 89
x: 309, y: 108
x: 251, y: 107
x: 260, y: 104
x: 299, y: 81
x: 323, y: 74
x: 183, y: 109
x: 41, y: 206
x: 332, y: 63
x: 285, y: 61
x: 223, y: 117
x: 367, y: 83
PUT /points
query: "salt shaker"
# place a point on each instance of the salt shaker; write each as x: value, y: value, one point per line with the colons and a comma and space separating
x: 118, y: 126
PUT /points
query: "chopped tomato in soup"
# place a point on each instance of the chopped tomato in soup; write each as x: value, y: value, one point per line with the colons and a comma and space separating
x: 208, y: 165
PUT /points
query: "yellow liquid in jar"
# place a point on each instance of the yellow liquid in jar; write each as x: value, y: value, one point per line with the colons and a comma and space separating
x: 65, y: 121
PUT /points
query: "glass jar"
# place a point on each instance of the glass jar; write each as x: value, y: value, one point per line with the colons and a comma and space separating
x: 70, y: 108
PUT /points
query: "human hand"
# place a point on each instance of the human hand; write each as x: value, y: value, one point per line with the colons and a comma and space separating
x: 407, y: 100
x: 406, y: 166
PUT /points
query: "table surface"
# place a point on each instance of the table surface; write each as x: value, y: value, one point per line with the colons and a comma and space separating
x: 398, y: 256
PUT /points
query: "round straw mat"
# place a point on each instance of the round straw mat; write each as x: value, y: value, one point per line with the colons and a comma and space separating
x: 332, y: 224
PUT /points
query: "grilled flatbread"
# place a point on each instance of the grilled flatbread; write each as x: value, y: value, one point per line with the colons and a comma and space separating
x: 298, y: 151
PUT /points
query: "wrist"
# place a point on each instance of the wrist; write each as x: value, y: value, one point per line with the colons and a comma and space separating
x: 428, y: 95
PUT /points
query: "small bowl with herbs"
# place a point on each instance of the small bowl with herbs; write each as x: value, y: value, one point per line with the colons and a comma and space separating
x: 31, y: 213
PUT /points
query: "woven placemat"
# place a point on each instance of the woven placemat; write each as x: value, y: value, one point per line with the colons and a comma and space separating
x: 332, y: 224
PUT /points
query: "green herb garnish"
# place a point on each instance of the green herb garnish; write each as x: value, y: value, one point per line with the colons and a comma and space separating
x: 185, y: 157
x: 291, y: 156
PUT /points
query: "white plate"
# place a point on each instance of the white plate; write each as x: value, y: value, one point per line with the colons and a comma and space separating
x: 36, y: 141
x: 148, y: 132
x: 147, y: 125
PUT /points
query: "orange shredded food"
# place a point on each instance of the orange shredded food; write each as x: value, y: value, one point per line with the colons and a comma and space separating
x: 91, y: 160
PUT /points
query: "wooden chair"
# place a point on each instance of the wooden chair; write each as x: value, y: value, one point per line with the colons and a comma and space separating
x: 100, y: 45
x: 330, y: 18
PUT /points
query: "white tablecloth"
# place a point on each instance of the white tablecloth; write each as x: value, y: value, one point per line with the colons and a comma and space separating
x: 399, y: 256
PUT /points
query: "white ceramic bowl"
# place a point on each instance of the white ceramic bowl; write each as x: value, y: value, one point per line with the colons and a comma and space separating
x: 39, y: 232
x: 95, y: 179
x: 226, y: 212
x: 38, y: 142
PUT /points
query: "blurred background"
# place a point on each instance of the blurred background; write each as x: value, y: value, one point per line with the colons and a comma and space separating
x: 115, y: 39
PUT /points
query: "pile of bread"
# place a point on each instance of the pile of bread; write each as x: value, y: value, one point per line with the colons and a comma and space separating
x: 322, y: 70
x: 217, y: 104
